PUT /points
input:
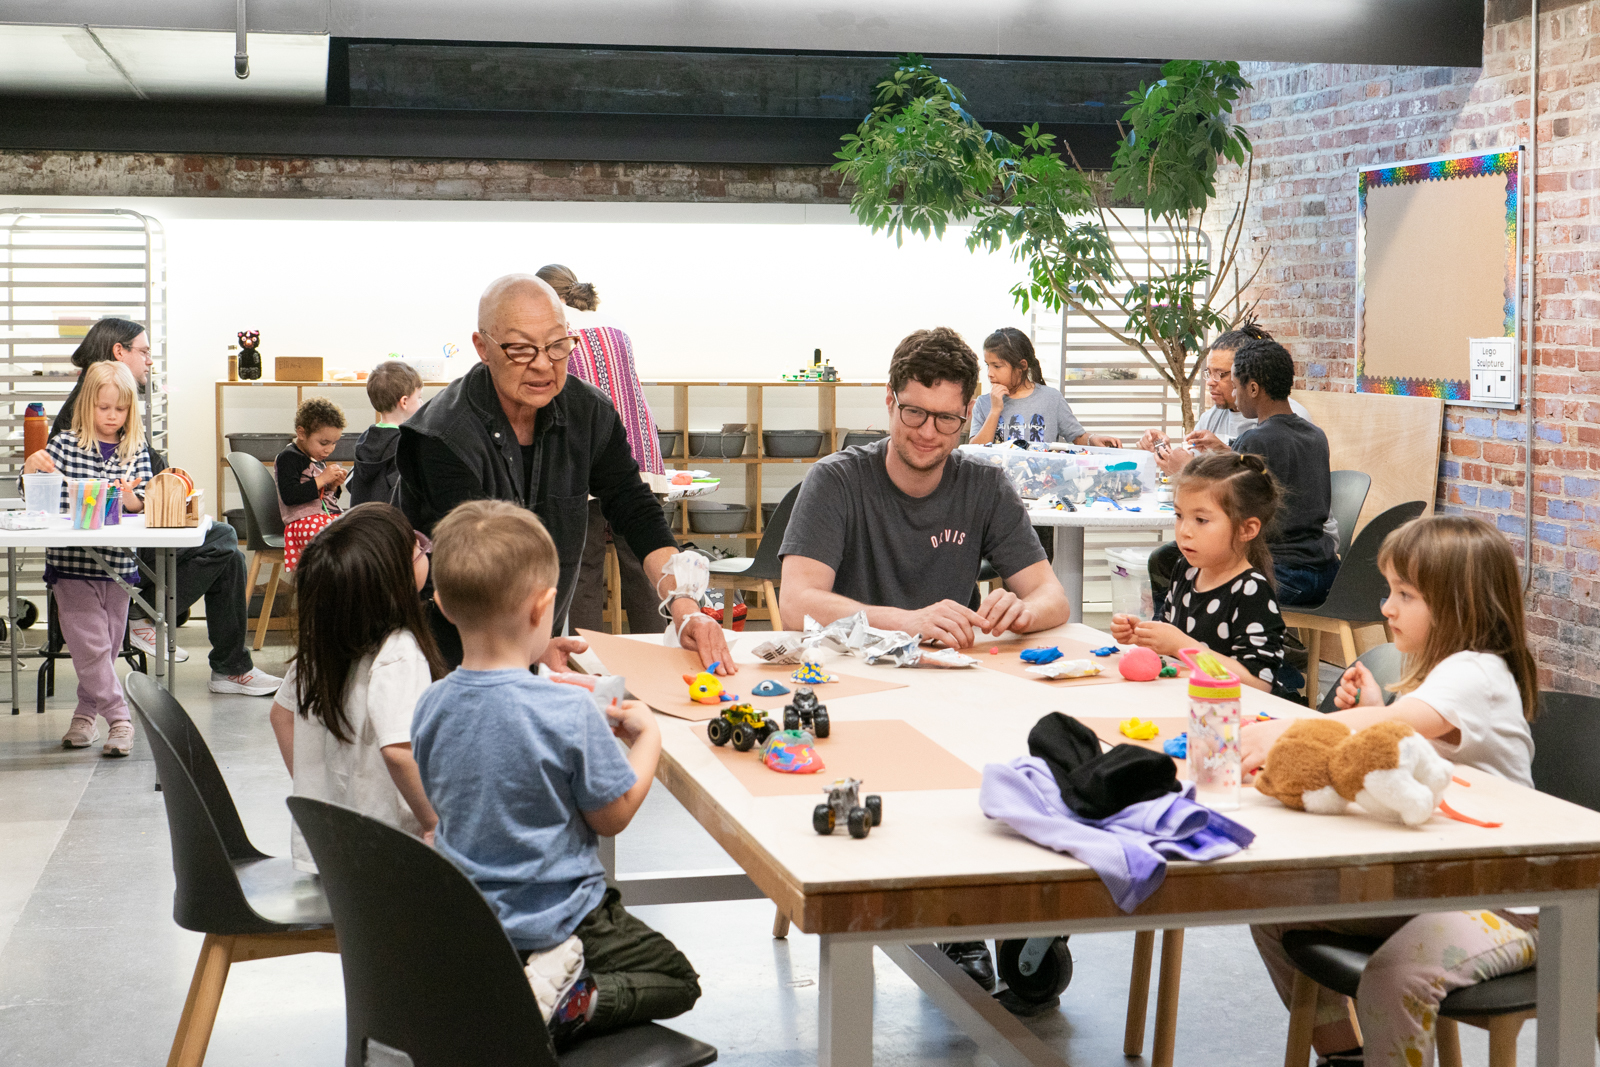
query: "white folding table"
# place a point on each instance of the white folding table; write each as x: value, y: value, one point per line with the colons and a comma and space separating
x: 130, y: 533
x: 1069, y: 527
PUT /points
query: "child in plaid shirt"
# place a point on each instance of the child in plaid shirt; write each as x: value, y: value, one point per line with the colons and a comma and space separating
x: 106, y: 441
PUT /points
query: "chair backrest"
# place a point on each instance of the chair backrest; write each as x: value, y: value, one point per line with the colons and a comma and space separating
x: 768, y: 564
x: 428, y: 969
x: 1383, y: 661
x: 260, y: 496
x: 207, y: 836
x: 1564, y: 738
x: 1359, y: 588
x: 1349, y: 493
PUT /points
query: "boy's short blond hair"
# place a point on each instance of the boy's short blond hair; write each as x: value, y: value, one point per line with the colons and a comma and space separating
x: 489, y: 556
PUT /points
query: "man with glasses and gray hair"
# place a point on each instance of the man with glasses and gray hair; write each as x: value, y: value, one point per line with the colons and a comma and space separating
x: 899, y: 527
x: 516, y: 427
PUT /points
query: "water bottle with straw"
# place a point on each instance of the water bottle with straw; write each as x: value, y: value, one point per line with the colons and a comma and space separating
x: 1215, y: 761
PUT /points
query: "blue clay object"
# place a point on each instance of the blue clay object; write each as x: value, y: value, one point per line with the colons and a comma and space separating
x: 769, y: 687
x: 1109, y: 650
x: 1041, y: 655
x: 1178, y: 747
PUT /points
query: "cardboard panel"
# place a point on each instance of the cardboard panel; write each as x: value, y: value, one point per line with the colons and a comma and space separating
x: 1394, y: 439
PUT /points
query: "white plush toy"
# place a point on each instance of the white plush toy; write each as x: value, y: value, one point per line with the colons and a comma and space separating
x: 1389, y: 769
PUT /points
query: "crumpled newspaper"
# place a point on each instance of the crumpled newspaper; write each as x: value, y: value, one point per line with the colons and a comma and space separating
x: 852, y: 635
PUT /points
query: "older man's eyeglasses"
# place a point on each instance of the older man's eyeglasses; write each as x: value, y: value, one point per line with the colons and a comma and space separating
x: 943, y: 421
x: 523, y: 354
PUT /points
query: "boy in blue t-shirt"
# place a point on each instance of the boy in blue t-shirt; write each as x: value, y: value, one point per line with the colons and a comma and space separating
x: 525, y: 775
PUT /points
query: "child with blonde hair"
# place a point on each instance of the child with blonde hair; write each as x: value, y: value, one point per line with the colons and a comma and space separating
x: 106, y: 441
x: 525, y: 775
x: 1470, y: 687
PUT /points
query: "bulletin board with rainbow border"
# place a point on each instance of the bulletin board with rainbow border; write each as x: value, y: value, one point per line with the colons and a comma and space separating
x: 1438, y: 261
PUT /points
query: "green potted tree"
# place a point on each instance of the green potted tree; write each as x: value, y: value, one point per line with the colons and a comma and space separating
x: 920, y: 162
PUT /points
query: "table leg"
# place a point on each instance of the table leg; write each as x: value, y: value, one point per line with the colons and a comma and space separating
x: 1068, y: 566
x: 844, y: 1011
x: 1568, y: 933
x: 160, y: 665
x: 169, y: 560
x: 11, y: 623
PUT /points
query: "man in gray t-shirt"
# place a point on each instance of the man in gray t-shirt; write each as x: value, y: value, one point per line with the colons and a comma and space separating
x: 899, y: 527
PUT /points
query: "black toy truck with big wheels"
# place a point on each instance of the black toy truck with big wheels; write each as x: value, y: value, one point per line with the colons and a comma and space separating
x: 844, y: 805
x: 805, y: 713
x: 742, y: 724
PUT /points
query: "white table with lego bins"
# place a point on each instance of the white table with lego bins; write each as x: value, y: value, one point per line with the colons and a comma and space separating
x: 937, y: 869
x: 129, y: 534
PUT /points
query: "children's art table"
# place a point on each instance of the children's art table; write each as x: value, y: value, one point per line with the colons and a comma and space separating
x: 1069, y: 527
x: 131, y: 534
x: 937, y: 869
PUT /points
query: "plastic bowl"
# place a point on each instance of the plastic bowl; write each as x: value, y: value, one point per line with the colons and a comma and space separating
x: 791, y: 444
x: 862, y: 437
x: 730, y: 519
x: 715, y: 444
x: 670, y: 440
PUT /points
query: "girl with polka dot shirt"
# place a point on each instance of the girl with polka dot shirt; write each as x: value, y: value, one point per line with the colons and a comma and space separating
x: 1222, y: 599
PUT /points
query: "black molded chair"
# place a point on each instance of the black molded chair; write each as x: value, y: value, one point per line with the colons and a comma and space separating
x: 249, y: 905
x: 1384, y: 662
x: 765, y: 570
x: 1357, y: 593
x: 1349, y: 492
x: 1564, y: 736
x: 263, y: 534
x: 429, y: 972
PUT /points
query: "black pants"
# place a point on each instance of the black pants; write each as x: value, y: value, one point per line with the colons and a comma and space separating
x: 215, y: 570
x: 639, y: 600
x: 1162, y: 565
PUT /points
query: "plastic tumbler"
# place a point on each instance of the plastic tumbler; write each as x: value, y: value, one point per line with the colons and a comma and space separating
x: 41, y: 493
x: 1215, y: 760
x: 113, y: 514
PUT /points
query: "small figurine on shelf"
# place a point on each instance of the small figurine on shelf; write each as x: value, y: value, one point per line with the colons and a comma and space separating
x: 249, y: 355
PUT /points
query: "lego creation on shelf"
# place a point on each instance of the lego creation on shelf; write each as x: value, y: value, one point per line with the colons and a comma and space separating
x: 819, y: 371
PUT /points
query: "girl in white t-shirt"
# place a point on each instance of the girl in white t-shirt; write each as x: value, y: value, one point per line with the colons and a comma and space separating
x: 1470, y: 687
x: 343, y: 714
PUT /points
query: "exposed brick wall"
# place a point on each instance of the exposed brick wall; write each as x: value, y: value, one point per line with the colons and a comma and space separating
x: 148, y: 174
x: 1313, y: 126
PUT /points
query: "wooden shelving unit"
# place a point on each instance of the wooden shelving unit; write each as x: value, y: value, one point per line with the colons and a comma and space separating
x: 754, y: 459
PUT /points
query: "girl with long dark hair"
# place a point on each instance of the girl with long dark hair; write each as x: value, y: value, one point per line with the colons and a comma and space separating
x: 1019, y: 405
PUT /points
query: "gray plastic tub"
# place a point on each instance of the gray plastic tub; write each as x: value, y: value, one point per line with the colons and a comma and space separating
x: 670, y: 441
x: 714, y: 444
x: 862, y: 437
x: 791, y: 444
x: 266, y: 446
x: 767, y: 511
x: 731, y: 519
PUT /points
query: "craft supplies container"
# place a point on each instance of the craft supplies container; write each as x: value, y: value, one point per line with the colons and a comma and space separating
x: 263, y: 446
x: 1215, y: 718
x: 88, y: 496
x: 715, y: 444
x: 862, y: 437
x: 1060, y: 470
x: 113, y: 512
x: 791, y: 444
x: 724, y: 519
x: 41, y: 493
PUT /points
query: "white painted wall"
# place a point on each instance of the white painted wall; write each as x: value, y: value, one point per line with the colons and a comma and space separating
x: 705, y: 291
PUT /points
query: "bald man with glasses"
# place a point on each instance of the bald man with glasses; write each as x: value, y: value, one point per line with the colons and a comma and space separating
x: 899, y: 527
x: 517, y: 427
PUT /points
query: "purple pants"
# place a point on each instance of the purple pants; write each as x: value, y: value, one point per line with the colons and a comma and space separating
x: 94, y: 616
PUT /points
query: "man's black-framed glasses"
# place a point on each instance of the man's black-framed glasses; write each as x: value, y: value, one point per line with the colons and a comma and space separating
x: 555, y: 351
x: 943, y: 421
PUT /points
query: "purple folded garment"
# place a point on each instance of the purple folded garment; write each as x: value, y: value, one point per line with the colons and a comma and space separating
x: 1128, y: 850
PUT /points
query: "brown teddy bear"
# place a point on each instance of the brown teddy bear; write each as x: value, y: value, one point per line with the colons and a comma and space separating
x: 1319, y: 766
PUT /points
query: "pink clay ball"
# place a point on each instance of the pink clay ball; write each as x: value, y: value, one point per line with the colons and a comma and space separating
x: 1140, y: 665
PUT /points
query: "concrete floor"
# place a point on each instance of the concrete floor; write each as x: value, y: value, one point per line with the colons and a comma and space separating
x: 93, y: 971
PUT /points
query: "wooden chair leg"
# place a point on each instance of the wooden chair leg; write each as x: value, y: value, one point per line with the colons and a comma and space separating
x: 1312, y: 639
x: 1449, y: 1039
x: 613, y: 572
x: 1302, y: 1020
x: 1503, y: 1031
x: 1347, y: 642
x: 200, y: 1009
x: 250, y: 579
x: 780, y: 924
x: 1144, y: 946
x: 770, y: 591
x: 266, y: 604
x: 1167, y: 998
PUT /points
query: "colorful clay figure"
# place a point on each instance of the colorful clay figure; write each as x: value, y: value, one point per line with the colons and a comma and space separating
x: 742, y: 724
x: 1041, y: 655
x: 1177, y: 747
x: 791, y: 752
x: 768, y: 687
x: 845, y: 805
x: 1139, y: 729
x: 1140, y: 665
x: 804, y: 713
x: 812, y: 674
x: 706, y: 688
x: 249, y: 355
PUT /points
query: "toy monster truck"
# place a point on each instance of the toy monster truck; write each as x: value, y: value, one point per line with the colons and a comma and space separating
x: 804, y: 713
x: 845, y: 805
x: 742, y: 724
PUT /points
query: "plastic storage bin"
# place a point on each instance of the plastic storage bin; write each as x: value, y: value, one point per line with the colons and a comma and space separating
x: 791, y: 444
x: 1130, y: 581
x: 717, y: 519
x: 714, y: 444
x: 670, y: 440
x: 1057, y: 472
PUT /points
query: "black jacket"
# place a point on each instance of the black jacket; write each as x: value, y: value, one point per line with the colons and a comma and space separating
x: 460, y: 446
x: 376, y: 473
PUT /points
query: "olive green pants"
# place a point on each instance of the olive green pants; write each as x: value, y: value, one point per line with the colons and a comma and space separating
x: 638, y: 974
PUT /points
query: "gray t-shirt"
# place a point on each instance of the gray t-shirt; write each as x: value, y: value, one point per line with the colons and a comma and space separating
x: 1227, y: 423
x: 1042, y: 415
x: 893, y: 550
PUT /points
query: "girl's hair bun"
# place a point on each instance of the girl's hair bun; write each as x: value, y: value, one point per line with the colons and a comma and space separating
x: 1254, y: 462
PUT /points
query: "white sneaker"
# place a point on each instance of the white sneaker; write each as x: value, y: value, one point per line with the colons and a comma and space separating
x: 142, y: 635
x: 255, y: 683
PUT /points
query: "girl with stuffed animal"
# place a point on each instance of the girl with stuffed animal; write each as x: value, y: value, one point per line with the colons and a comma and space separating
x: 1470, y: 688
x: 1223, y: 600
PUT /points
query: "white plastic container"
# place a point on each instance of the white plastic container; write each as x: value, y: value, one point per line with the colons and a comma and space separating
x: 1130, y: 581
x: 41, y: 493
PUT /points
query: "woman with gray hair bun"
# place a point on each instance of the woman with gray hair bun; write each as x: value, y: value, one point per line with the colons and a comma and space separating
x: 603, y: 357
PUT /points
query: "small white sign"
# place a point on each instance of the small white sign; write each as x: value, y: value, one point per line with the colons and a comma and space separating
x: 1496, y: 373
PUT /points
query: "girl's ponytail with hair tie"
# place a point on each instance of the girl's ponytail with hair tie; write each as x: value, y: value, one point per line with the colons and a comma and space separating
x: 1254, y: 462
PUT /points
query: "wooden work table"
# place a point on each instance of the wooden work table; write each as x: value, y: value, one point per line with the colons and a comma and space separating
x: 937, y: 869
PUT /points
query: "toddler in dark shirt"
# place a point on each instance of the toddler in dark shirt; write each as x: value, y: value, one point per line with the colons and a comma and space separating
x: 308, y: 486
x: 1222, y: 599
